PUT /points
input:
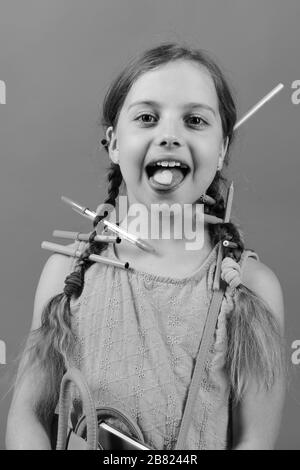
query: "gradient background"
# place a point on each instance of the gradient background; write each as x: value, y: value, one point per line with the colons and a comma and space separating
x: 57, y: 59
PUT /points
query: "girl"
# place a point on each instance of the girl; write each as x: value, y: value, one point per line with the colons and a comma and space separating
x: 169, y: 120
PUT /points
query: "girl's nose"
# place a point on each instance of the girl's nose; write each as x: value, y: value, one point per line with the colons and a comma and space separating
x: 169, y: 141
x: 169, y: 134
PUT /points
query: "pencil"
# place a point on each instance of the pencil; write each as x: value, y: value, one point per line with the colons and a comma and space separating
x: 85, y: 236
x: 128, y: 236
x: 256, y: 107
x: 229, y: 244
x: 212, y: 219
x: 69, y: 251
x: 229, y: 203
x: 85, y: 211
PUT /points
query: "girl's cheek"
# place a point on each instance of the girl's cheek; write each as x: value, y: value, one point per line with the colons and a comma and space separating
x: 207, y: 160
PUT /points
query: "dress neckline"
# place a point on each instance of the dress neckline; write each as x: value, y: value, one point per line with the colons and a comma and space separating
x: 195, y: 275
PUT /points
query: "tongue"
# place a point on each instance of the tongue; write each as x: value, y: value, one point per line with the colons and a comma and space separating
x: 166, y: 179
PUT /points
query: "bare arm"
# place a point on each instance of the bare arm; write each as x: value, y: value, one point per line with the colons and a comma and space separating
x: 24, y: 430
x: 256, y: 420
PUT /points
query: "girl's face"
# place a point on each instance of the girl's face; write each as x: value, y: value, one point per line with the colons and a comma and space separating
x: 170, y: 113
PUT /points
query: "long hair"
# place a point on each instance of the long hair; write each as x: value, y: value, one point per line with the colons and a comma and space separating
x: 253, y: 334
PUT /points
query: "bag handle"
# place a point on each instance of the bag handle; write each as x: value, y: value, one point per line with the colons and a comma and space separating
x: 74, y: 376
x: 206, y: 342
x: 104, y: 412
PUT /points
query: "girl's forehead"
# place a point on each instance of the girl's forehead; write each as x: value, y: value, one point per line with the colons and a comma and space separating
x: 185, y: 81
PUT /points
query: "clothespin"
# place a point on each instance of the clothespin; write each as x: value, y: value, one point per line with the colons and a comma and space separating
x: 229, y: 199
x: 69, y: 251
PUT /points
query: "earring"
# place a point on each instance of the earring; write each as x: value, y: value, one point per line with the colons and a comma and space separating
x: 104, y: 142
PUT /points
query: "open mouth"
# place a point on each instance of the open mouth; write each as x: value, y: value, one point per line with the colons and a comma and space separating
x: 165, y: 175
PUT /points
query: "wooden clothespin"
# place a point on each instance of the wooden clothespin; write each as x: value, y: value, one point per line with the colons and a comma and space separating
x: 69, y: 251
x: 229, y: 199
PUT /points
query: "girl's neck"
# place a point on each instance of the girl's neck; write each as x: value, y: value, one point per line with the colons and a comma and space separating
x: 189, y: 250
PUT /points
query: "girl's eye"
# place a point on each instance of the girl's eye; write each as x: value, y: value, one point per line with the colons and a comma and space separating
x: 192, y: 120
x: 145, y: 118
x: 197, y: 121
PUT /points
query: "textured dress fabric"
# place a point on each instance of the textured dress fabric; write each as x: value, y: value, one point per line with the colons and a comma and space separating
x: 138, y: 337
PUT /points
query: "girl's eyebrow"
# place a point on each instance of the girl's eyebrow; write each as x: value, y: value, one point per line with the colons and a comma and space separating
x: 187, y: 105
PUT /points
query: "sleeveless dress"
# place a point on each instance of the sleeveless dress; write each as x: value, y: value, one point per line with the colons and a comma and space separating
x: 138, y: 337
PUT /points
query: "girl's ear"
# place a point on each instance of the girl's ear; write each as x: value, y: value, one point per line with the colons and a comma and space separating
x: 223, y: 153
x: 113, y: 150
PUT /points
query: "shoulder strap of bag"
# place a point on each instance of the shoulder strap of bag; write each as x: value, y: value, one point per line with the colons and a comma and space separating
x: 74, y: 376
x: 206, y: 342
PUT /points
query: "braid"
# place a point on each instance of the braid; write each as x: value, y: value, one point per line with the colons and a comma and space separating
x: 223, y: 231
x: 51, y: 347
x: 115, y: 179
x: 75, y: 288
x: 255, y: 346
x: 215, y: 191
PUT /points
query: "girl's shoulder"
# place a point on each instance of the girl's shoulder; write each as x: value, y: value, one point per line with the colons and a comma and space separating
x: 51, y: 283
x: 263, y: 281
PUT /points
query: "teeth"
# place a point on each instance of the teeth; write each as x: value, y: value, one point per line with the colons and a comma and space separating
x: 166, y: 163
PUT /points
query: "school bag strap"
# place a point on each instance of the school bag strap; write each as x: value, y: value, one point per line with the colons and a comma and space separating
x: 205, y: 345
x: 74, y: 376
x: 202, y: 357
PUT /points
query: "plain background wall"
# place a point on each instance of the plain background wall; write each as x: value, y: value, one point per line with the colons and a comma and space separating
x: 57, y: 59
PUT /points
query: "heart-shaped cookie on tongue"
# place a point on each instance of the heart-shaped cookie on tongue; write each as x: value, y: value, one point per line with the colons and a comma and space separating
x: 166, y: 178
